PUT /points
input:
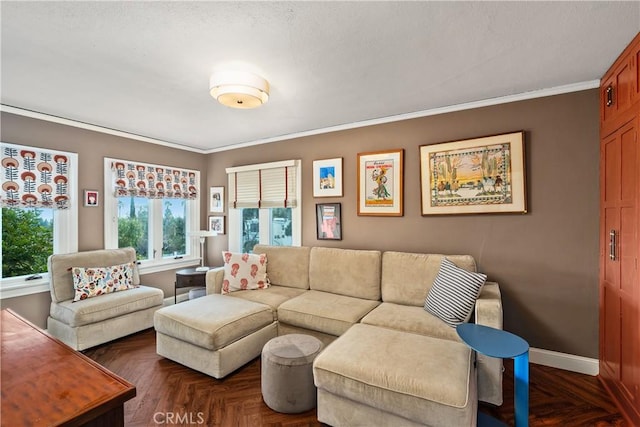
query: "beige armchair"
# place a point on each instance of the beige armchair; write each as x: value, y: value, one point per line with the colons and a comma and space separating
x: 93, y: 321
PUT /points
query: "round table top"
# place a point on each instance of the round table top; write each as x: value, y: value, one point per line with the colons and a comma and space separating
x: 191, y: 271
x: 492, y: 342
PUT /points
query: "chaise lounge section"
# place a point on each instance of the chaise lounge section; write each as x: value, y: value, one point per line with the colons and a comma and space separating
x: 352, y: 299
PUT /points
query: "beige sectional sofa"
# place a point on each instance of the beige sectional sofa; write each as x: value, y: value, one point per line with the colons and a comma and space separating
x: 369, y: 303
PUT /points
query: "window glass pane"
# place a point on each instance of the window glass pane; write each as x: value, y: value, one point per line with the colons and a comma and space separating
x: 173, y: 227
x: 27, y: 240
x: 133, y: 225
x: 250, y: 229
x: 280, y: 223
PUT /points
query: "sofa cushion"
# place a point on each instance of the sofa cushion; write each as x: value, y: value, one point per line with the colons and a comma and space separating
x: 288, y: 265
x: 454, y: 293
x: 400, y: 373
x: 324, y: 312
x: 354, y: 273
x: 108, y: 306
x: 213, y: 321
x: 407, y: 277
x: 408, y: 318
x: 244, y: 271
x: 273, y: 297
x: 60, y: 265
x: 90, y: 282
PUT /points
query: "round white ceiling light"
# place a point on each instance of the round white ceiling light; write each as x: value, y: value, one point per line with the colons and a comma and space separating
x: 239, y: 89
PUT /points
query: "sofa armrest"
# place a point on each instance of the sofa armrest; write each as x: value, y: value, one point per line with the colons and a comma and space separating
x: 489, y: 306
x: 214, y: 280
x: 489, y: 313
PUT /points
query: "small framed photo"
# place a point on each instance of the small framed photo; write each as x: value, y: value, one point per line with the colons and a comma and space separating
x: 327, y: 178
x: 216, y: 223
x: 91, y: 198
x: 328, y: 223
x: 380, y: 175
x: 216, y: 199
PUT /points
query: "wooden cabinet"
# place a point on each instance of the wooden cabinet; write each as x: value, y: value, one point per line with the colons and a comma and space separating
x: 620, y: 232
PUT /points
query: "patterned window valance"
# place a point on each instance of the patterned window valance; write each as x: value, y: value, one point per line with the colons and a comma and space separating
x: 34, y: 177
x: 152, y: 181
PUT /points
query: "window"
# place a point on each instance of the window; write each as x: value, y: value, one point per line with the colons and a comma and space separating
x: 39, y: 215
x: 152, y: 209
x: 264, y: 202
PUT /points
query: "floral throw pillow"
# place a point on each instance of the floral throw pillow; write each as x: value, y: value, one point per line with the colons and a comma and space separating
x: 244, y: 271
x: 94, y: 281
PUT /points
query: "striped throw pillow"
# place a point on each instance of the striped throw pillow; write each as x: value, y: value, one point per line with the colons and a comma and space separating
x: 454, y: 293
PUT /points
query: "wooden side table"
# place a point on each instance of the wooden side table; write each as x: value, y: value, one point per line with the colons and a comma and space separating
x: 188, y: 278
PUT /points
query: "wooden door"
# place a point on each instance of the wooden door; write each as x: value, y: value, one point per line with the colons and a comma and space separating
x: 619, y: 283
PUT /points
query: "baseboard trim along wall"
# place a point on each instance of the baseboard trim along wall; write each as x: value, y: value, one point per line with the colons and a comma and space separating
x: 568, y: 362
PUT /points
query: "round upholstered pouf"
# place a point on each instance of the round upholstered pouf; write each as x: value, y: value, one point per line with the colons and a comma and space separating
x: 287, y: 374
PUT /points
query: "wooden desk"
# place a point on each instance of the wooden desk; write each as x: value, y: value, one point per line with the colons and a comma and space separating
x: 46, y: 383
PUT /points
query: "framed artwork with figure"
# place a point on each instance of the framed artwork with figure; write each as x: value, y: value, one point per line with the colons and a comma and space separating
x: 380, y: 186
x: 91, y: 198
x: 328, y: 223
x: 327, y: 178
x: 216, y: 199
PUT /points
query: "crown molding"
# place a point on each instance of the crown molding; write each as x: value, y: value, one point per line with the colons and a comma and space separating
x: 558, y: 90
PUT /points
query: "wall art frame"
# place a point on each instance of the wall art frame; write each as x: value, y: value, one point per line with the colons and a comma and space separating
x: 91, y: 198
x: 327, y: 178
x: 328, y: 221
x: 474, y: 176
x: 217, y: 223
x: 216, y: 199
x: 380, y: 183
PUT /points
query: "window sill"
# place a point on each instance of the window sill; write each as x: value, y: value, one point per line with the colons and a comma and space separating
x: 148, y: 267
x: 19, y: 288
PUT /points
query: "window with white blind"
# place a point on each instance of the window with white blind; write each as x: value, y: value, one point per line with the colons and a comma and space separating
x: 264, y: 205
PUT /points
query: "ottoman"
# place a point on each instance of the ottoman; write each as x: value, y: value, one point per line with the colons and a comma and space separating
x: 214, y: 334
x: 377, y: 376
x: 287, y: 373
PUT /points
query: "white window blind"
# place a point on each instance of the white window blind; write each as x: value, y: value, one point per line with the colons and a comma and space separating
x: 266, y: 185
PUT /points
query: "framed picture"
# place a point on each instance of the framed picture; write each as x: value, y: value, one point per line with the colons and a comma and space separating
x: 328, y: 223
x: 380, y: 189
x: 91, y: 198
x: 216, y: 223
x: 327, y: 178
x: 216, y: 199
x: 480, y: 175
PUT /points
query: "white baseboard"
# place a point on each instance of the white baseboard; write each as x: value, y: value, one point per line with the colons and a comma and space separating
x: 568, y: 362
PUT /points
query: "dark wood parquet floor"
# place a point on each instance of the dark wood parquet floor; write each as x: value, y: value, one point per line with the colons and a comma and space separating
x: 169, y: 394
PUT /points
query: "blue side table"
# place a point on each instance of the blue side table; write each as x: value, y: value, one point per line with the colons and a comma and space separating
x: 498, y: 343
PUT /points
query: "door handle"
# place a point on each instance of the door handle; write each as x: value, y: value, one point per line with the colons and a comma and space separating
x: 612, y: 245
x: 609, y: 95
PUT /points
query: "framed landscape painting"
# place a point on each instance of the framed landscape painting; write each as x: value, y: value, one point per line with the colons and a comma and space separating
x: 481, y: 175
x: 380, y: 189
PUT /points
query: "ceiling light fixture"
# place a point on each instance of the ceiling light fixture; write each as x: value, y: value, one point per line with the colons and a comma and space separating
x: 239, y: 89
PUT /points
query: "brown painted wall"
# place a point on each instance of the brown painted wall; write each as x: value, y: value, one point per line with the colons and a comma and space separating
x: 92, y: 148
x: 546, y: 261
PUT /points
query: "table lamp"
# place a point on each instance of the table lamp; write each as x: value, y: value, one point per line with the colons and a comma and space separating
x: 203, y: 234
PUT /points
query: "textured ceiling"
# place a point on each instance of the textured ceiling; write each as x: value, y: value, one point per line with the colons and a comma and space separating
x: 143, y: 67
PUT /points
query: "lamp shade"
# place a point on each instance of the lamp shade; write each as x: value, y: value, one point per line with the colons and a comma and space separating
x: 239, y: 89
